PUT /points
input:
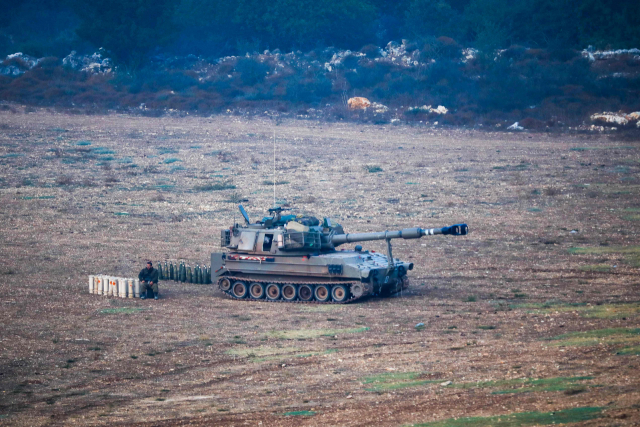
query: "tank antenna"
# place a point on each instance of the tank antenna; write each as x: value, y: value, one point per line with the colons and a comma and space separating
x: 274, y: 168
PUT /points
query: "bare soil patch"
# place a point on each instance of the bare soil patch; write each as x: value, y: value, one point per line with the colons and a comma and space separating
x: 533, y: 318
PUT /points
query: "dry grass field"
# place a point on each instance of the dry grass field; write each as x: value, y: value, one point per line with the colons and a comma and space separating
x: 531, y: 319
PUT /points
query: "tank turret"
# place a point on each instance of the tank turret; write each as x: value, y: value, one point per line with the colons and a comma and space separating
x: 294, y: 258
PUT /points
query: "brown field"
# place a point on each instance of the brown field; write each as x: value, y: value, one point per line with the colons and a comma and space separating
x: 532, y: 318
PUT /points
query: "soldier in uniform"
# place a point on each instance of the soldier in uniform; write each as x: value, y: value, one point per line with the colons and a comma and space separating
x: 148, y: 280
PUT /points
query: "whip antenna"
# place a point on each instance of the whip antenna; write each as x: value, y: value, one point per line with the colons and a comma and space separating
x: 274, y: 168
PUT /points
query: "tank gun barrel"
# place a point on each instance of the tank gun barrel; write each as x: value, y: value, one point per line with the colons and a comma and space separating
x: 406, y: 233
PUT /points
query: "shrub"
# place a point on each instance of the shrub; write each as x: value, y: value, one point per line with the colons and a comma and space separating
x: 368, y: 75
x: 531, y: 123
x: 307, y: 89
x: 251, y: 71
x: 372, y: 51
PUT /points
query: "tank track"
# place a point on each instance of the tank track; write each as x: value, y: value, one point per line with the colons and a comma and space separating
x: 229, y: 293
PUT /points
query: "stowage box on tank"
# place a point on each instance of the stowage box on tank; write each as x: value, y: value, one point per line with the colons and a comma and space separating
x: 291, y: 258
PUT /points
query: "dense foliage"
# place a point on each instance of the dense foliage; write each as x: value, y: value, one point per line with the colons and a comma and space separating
x: 134, y: 29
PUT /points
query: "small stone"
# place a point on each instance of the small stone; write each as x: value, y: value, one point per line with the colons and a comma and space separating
x: 446, y: 383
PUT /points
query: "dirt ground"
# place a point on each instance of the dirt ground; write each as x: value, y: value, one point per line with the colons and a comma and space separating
x: 533, y: 318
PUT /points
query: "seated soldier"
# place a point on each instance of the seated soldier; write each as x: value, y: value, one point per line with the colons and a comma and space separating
x: 148, y: 280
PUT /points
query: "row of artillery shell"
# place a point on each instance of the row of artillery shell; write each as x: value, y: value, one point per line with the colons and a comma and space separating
x: 114, y: 286
x: 185, y: 273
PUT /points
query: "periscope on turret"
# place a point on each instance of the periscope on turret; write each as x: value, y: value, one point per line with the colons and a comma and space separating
x: 293, y: 258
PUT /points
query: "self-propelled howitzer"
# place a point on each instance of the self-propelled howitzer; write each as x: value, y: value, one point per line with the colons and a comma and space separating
x: 291, y: 258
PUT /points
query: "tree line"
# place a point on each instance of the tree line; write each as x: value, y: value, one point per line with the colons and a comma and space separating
x: 134, y: 30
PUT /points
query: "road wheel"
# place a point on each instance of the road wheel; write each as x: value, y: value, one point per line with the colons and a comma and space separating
x: 357, y: 290
x: 224, y: 284
x: 339, y: 293
x: 256, y: 290
x: 273, y: 291
x: 305, y: 292
x: 239, y: 290
x: 289, y: 292
x: 322, y: 293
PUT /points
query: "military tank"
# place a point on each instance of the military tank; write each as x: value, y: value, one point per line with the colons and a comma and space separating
x: 293, y: 258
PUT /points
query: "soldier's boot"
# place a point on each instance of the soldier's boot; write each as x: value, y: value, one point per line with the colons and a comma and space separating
x: 155, y: 295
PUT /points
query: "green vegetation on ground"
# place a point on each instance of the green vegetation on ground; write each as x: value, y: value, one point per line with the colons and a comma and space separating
x: 602, y: 311
x: 395, y: 381
x: 635, y: 350
x: 631, y: 253
x: 268, y: 353
x: 610, y: 336
x: 516, y: 419
x: 299, y: 413
x: 313, y: 333
x: 526, y: 385
x: 122, y: 310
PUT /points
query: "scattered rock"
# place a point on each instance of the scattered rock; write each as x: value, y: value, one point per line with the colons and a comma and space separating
x: 419, y: 325
x: 608, y: 118
x: 446, y: 383
x: 338, y: 58
x: 609, y: 54
x: 469, y: 54
x: 428, y: 109
x: 379, y: 108
x: 95, y: 63
x: 17, y: 63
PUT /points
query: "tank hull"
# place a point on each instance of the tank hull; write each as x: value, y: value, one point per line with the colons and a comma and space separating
x: 350, y: 275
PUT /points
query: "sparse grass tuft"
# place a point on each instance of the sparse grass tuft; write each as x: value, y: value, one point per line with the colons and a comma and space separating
x: 373, y: 168
x: 64, y: 180
x: 395, y: 381
x: 602, y: 268
x: 387, y: 377
x: 313, y: 333
x: 635, y: 350
x: 603, y: 311
x: 218, y: 186
x: 122, y: 310
x: 299, y: 413
x: 564, y: 416
x: 631, y: 253
x: 609, y: 336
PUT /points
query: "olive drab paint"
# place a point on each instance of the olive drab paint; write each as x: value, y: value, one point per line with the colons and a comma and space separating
x: 294, y: 258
